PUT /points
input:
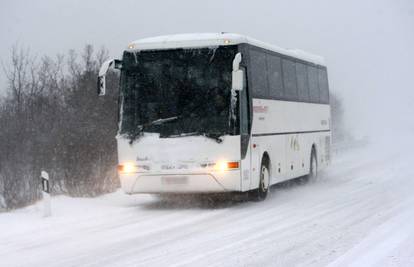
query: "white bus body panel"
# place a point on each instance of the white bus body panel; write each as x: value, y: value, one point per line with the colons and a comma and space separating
x: 176, y: 159
x: 286, y: 131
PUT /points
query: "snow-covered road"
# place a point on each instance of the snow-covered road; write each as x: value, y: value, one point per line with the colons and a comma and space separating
x: 359, y: 213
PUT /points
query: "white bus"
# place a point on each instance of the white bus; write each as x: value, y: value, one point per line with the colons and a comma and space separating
x: 208, y: 113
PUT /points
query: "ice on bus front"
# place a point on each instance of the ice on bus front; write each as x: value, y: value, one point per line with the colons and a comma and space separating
x: 179, y: 115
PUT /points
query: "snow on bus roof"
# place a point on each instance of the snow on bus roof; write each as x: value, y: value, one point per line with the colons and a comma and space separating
x: 215, y: 39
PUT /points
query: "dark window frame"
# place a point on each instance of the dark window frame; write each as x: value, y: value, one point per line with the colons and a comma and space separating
x: 322, y: 90
x: 252, y: 74
x: 294, y: 78
x: 275, y: 96
x: 247, y: 60
x: 302, y: 97
x: 311, y: 95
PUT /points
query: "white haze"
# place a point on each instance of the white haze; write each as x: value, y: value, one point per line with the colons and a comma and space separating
x: 368, y: 45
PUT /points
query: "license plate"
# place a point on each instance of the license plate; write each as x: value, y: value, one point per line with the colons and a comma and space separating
x: 172, y: 180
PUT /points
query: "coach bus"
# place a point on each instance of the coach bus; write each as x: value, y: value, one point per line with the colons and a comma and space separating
x: 209, y: 113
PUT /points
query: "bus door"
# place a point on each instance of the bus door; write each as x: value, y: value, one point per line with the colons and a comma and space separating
x: 245, y: 139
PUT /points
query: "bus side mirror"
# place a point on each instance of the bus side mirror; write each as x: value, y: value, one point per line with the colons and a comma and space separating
x: 237, y: 74
x: 237, y: 80
x: 117, y: 64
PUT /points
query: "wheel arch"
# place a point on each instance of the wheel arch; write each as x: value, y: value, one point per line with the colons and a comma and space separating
x: 313, y: 149
x: 266, y: 160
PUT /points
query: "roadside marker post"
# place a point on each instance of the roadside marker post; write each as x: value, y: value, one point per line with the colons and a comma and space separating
x: 47, y: 210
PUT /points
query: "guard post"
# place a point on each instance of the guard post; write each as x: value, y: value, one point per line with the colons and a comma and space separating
x: 47, y: 211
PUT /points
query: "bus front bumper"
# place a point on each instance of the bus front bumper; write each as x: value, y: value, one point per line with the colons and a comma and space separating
x: 214, y: 182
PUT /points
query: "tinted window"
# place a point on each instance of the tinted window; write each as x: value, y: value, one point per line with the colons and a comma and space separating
x: 323, y: 86
x: 274, y: 65
x: 313, y: 84
x: 160, y: 84
x: 289, y: 79
x: 258, y: 70
x: 244, y: 109
x: 244, y: 122
x: 302, y: 82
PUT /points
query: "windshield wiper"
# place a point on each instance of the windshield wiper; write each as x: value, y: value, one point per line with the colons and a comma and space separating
x: 156, y: 122
x: 141, y: 127
x: 215, y: 137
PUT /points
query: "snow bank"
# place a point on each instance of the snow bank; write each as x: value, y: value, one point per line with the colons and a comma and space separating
x: 359, y: 213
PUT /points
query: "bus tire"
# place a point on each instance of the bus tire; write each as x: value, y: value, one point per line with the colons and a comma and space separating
x: 262, y: 191
x: 313, y: 168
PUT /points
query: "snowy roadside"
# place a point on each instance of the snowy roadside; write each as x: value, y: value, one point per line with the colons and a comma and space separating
x: 358, y: 214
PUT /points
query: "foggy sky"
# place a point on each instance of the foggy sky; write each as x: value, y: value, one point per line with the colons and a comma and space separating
x: 368, y: 45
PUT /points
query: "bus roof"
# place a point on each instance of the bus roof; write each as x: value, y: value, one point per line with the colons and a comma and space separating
x: 215, y: 39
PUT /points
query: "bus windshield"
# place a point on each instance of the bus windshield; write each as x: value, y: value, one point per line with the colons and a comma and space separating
x: 178, y: 92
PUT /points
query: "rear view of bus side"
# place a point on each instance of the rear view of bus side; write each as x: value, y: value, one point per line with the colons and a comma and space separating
x: 211, y: 113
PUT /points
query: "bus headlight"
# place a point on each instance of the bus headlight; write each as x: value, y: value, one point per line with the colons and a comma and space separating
x: 127, y: 167
x: 226, y: 165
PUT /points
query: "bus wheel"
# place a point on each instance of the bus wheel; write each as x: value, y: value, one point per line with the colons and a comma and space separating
x: 313, y: 169
x: 260, y: 193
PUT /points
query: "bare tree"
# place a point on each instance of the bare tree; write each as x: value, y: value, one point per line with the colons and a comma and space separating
x: 53, y: 119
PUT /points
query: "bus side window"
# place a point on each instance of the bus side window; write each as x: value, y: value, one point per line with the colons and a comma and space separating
x: 289, y: 80
x: 274, y: 65
x: 323, y: 86
x: 302, y: 81
x: 244, y: 124
x: 244, y: 120
x: 258, y: 74
x: 313, y: 84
